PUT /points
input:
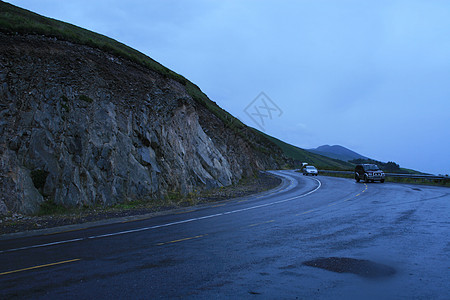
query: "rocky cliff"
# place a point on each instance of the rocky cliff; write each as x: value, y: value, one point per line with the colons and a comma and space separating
x: 79, y: 126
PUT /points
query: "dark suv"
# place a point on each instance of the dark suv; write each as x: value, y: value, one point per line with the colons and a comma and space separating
x: 368, y: 172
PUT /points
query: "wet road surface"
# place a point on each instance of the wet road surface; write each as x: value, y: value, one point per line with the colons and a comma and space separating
x: 253, y: 247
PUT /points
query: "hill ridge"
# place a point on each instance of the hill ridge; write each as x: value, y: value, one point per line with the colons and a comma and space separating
x: 337, y: 152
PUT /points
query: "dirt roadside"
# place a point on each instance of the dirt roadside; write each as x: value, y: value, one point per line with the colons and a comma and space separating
x: 20, y: 223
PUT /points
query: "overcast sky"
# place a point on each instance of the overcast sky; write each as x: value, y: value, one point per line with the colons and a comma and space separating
x: 373, y: 76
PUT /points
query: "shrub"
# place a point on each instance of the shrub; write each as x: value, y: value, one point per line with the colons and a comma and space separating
x: 86, y: 98
x: 49, y: 207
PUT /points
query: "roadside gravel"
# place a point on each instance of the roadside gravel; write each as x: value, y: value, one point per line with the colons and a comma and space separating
x: 19, y: 223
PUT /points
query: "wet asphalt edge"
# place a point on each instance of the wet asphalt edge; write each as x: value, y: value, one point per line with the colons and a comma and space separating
x: 72, y: 227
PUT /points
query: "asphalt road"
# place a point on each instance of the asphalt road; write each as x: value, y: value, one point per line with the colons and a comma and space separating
x: 252, y: 247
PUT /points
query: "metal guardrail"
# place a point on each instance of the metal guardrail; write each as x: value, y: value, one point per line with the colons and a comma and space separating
x: 336, y: 172
x: 410, y: 176
x: 416, y: 176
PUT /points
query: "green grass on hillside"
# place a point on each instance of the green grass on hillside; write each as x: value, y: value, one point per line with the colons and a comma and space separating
x: 411, y: 171
x: 301, y: 155
x: 17, y: 20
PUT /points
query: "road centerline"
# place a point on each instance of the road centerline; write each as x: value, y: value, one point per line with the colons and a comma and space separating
x: 262, y: 223
x: 182, y: 240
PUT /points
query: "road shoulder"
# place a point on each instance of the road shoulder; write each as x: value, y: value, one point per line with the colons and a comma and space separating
x: 26, y: 226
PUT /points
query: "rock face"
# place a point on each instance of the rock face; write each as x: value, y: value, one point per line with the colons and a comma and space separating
x: 82, y: 127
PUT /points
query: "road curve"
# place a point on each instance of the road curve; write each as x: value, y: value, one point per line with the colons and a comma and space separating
x: 249, y: 247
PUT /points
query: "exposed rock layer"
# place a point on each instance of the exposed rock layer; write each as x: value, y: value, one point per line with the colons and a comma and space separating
x: 82, y: 127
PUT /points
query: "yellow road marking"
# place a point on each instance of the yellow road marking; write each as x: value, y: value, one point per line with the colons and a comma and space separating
x: 306, y: 212
x: 256, y: 224
x: 185, y: 212
x: 358, y: 195
x: 218, y: 205
x: 181, y: 240
x: 331, y: 204
x: 242, y: 200
x: 41, y: 266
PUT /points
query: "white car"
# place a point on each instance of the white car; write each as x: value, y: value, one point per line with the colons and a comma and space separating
x: 310, y: 170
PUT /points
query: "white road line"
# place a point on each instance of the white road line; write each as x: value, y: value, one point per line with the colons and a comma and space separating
x: 43, y: 245
x: 168, y: 224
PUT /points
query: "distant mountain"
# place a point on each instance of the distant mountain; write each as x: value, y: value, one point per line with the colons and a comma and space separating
x: 337, y: 152
x: 301, y: 155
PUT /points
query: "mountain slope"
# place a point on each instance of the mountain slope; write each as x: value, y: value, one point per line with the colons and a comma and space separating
x: 20, y: 21
x: 300, y: 155
x: 81, y: 127
x: 86, y: 120
x: 337, y: 152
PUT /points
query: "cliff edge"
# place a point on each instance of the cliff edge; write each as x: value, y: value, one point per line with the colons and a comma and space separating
x: 80, y: 126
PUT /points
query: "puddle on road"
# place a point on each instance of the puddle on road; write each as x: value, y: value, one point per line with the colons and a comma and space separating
x: 364, y: 268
